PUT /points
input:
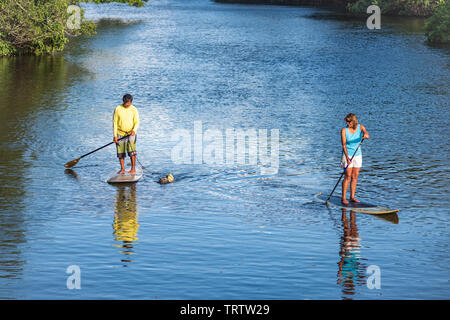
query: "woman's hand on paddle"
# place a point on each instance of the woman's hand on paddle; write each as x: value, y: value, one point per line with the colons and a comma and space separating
x: 365, y: 133
x: 115, y: 140
x: 132, y: 133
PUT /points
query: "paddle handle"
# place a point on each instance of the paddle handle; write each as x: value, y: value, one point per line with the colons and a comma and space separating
x: 84, y: 155
x: 344, y: 170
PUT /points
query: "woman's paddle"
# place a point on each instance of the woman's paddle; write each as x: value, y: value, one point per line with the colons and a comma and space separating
x: 70, y: 164
x: 344, y: 171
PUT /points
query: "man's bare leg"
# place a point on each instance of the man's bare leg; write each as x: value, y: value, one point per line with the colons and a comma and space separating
x: 122, y: 166
x: 133, y: 165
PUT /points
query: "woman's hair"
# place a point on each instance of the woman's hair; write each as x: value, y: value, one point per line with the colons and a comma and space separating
x: 127, y: 97
x: 350, y: 117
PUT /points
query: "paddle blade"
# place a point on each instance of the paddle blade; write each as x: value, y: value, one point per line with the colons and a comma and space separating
x: 70, y: 164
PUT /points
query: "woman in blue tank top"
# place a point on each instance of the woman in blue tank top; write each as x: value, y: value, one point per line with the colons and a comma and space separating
x: 351, y: 137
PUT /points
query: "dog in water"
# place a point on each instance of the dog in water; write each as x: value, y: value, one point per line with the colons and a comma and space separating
x: 166, y: 180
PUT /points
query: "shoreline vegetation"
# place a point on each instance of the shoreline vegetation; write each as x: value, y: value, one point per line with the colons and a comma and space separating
x: 36, y: 27
x: 437, y: 12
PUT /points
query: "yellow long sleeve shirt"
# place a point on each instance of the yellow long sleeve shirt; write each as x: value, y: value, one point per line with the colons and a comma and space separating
x: 125, y: 120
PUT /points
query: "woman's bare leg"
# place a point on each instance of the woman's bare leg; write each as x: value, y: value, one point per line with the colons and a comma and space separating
x: 345, y: 183
x: 354, y: 182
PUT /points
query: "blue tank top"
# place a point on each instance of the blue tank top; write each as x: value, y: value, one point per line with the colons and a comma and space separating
x: 353, y: 141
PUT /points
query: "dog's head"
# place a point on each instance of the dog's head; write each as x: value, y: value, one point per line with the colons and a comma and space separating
x: 166, y: 180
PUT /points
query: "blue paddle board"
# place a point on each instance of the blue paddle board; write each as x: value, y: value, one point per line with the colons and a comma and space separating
x: 362, y: 206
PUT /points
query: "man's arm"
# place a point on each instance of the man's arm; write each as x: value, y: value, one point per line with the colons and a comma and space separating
x: 115, y: 121
x: 136, y: 122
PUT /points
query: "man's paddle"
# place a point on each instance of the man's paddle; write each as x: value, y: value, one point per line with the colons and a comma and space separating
x: 70, y: 164
x: 344, y: 171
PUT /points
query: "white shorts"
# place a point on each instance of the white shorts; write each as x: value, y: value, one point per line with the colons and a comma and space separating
x: 356, y: 162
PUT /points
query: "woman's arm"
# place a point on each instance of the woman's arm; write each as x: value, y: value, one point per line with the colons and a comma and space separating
x: 344, y: 144
x: 364, y: 131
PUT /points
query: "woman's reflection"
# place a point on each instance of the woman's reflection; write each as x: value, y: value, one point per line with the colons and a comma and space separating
x: 125, y: 220
x: 351, y: 272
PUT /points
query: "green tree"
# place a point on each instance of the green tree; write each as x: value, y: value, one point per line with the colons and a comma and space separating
x: 421, y: 8
x: 438, y: 25
x: 41, y: 26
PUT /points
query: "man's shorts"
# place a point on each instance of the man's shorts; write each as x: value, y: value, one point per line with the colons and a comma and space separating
x: 126, y: 145
x: 356, y: 162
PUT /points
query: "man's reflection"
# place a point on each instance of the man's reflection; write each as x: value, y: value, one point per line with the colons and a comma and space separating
x: 125, y: 220
x: 351, y: 272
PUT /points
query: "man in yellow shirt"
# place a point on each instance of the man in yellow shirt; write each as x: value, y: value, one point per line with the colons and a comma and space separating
x: 126, y: 122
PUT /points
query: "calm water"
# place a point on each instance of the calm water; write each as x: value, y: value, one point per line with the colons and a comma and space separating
x: 226, y: 231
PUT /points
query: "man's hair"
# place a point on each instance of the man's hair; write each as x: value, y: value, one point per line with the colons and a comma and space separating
x: 127, y: 98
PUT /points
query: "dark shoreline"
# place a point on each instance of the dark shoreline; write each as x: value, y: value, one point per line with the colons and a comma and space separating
x: 325, y: 3
x: 338, y: 5
x: 436, y: 29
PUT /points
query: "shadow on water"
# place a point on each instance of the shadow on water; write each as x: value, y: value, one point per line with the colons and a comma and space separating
x: 29, y: 86
x: 406, y: 24
x: 390, y: 217
x: 105, y: 28
x: 13, y: 224
x: 125, y: 222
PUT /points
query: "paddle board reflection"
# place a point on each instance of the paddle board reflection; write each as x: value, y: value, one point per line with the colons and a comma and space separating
x: 125, y: 222
x: 352, y: 272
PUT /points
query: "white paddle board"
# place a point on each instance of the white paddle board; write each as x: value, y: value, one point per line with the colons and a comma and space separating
x: 126, y: 177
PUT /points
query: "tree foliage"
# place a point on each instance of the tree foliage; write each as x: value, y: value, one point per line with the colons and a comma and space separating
x: 438, y: 25
x: 40, y: 26
x: 417, y: 8
x: 136, y: 3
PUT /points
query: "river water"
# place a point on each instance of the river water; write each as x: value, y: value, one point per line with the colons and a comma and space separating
x: 226, y: 230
